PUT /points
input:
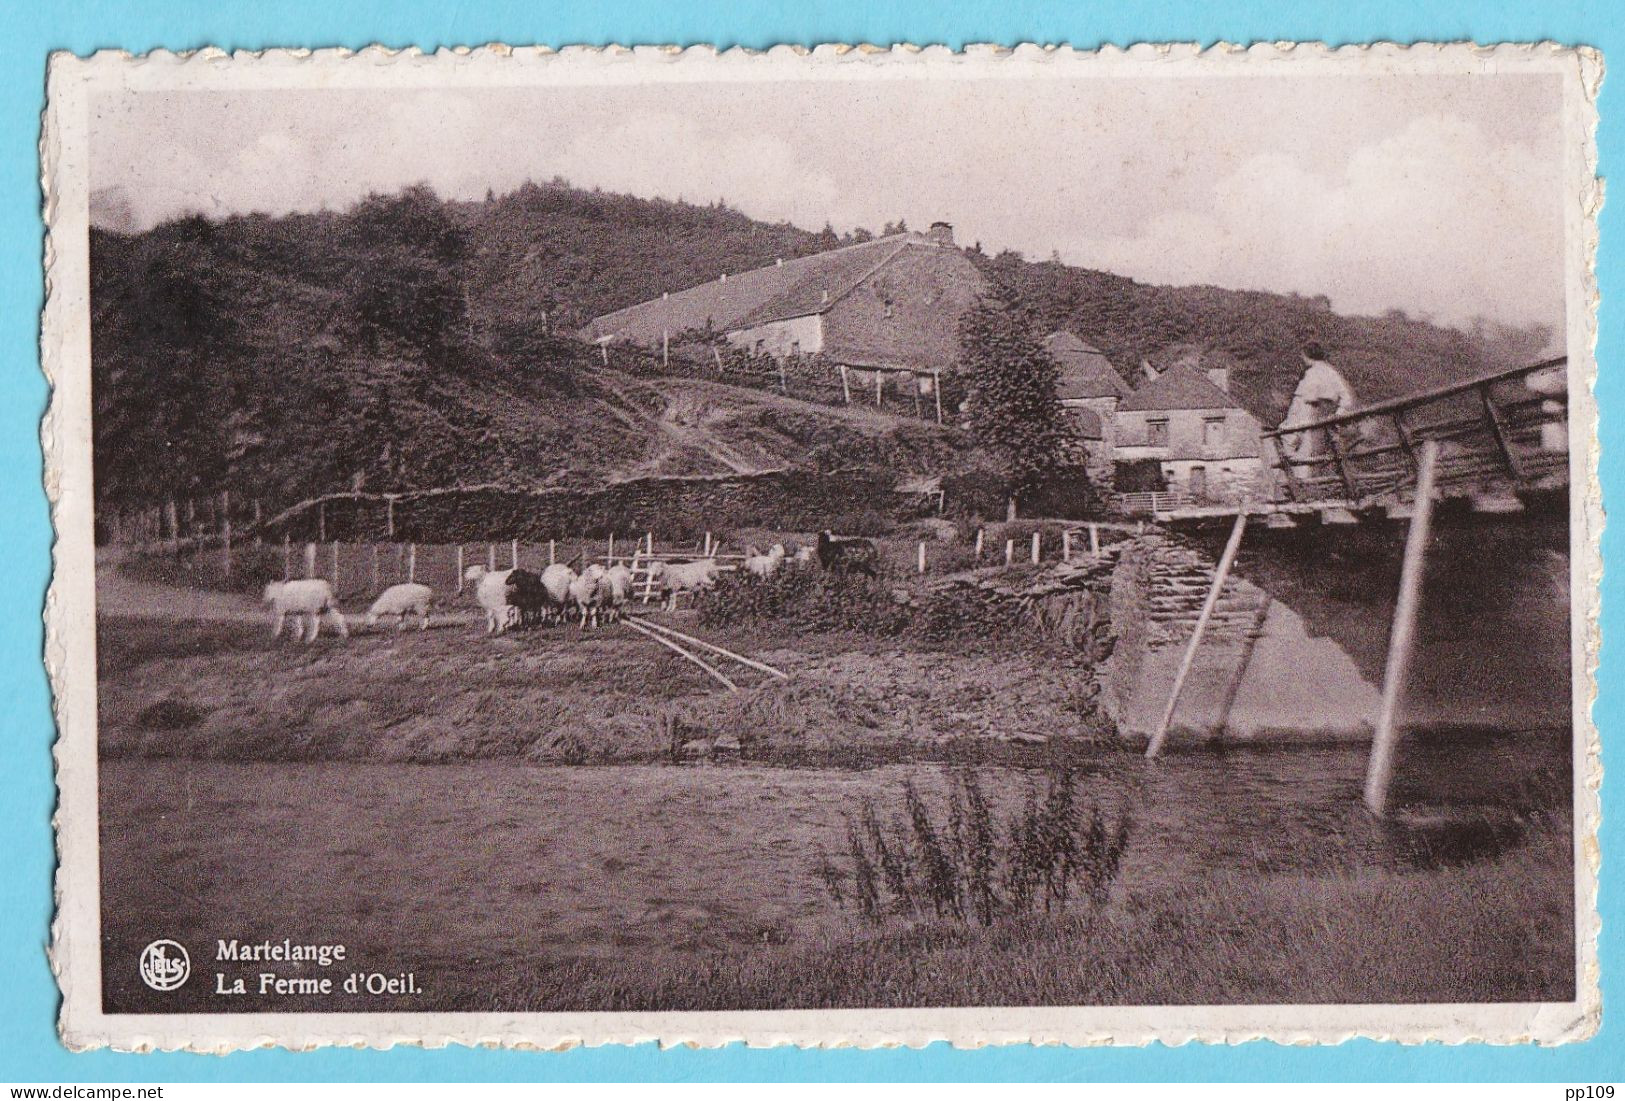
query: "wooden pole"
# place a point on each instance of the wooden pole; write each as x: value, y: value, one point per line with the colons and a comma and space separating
x: 411, y: 561
x: 513, y: 554
x: 980, y: 532
x: 1226, y: 560
x: 287, y: 557
x: 376, y: 576
x: 389, y: 517
x: 921, y: 557
x: 259, y: 539
x: 1094, y: 538
x: 552, y: 552
x: 1066, y: 545
x: 321, y: 522
x: 1035, y: 548
x: 713, y: 647
x: 400, y: 561
x: 310, y: 560
x: 879, y: 377
x: 609, y: 556
x: 672, y: 646
x: 936, y: 388
x: 491, y: 557
x: 171, y: 514
x: 1380, y: 768
x: 1009, y: 551
x: 665, y: 347
x: 225, y: 540
x: 335, y: 559
x: 459, y: 568
x: 846, y: 385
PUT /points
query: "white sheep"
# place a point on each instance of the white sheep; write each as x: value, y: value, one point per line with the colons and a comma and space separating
x: 764, y: 566
x: 491, y: 591
x: 685, y: 577
x: 617, y: 587
x: 805, y: 555
x: 586, y: 592
x: 557, y: 579
x: 407, y: 598
x: 307, y: 598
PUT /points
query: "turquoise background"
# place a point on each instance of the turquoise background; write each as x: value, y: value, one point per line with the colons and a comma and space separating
x: 29, y: 1051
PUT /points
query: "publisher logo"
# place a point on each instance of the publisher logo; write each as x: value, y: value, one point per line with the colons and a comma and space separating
x: 164, y: 965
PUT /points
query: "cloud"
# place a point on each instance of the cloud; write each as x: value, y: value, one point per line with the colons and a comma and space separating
x: 1440, y: 219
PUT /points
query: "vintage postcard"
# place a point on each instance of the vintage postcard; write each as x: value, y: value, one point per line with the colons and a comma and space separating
x: 837, y: 547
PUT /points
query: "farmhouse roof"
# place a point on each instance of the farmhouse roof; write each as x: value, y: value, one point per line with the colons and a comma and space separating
x: 1179, y: 387
x: 801, y: 287
x: 1085, y: 370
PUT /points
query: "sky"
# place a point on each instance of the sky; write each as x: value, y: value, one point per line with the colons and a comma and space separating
x: 1437, y: 195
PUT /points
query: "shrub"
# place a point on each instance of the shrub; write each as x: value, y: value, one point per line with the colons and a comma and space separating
x: 807, y: 599
x: 967, y: 867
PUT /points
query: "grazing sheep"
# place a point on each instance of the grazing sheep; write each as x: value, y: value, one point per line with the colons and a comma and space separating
x: 804, y: 556
x: 407, y: 598
x: 308, y: 598
x: 557, y: 579
x: 491, y: 591
x: 528, y: 597
x: 764, y: 566
x: 617, y: 587
x: 840, y: 554
x: 684, y: 577
x: 586, y: 592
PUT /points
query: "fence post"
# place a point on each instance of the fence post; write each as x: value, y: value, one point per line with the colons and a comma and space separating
x: 846, y: 386
x: 514, y: 554
x: 1009, y: 551
x: 1094, y: 538
x: 389, y: 517
x: 225, y: 542
x: 936, y: 387
x: 459, y: 568
x: 649, y: 541
x: 922, y: 556
x: 411, y: 561
x: 171, y: 514
x: 552, y: 552
x: 287, y: 557
x: 980, y: 532
x: 258, y: 538
x: 321, y: 522
x: 609, y: 558
x: 375, y: 573
x: 1066, y: 545
x: 491, y: 557
x: 334, y: 554
x: 310, y: 560
x: 1035, y: 548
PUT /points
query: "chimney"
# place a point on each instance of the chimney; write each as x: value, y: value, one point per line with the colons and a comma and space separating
x: 941, y: 233
x: 1220, y: 377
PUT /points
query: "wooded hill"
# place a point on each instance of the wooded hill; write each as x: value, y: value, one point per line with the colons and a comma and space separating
x: 410, y: 342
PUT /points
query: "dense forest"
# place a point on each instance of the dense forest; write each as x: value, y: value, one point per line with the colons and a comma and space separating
x: 411, y: 341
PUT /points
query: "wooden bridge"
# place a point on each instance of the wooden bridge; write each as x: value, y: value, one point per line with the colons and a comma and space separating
x: 1498, y: 443
x: 1502, y: 440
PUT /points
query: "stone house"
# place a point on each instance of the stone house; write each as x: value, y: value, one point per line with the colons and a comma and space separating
x: 889, y: 306
x: 1185, y: 425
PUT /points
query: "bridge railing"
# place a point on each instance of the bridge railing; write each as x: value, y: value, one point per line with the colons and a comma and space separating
x: 1506, y: 431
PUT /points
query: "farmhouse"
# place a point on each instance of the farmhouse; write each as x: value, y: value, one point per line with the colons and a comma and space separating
x: 1090, y: 389
x: 1181, y: 430
x: 891, y: 305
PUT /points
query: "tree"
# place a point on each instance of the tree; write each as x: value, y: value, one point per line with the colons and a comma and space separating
x: 1011, y: 402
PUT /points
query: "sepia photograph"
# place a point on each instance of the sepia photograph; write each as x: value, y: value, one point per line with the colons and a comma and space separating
x: 1088, y: 543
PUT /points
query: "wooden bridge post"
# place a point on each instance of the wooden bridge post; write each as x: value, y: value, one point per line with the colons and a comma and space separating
x: 1226, y: 560
x: 1380, y: 768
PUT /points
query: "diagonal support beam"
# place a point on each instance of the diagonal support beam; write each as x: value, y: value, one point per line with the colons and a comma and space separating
x: 1226, y: 560
x: 1380, y: 767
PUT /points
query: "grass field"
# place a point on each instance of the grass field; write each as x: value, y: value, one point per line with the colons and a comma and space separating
x: 505, y: 818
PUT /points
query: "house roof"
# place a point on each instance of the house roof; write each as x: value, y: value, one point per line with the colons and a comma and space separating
x: 1179, y: 387
x: 1085, y: 370
x: 802, y: 287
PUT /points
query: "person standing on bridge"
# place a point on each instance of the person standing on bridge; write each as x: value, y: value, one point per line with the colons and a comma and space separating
x: 1322, y: 392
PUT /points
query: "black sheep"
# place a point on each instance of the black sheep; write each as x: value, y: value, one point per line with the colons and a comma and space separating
x: 848, y: 555
x: 526, y: 593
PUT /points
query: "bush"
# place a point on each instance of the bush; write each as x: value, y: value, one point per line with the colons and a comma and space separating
x: 804, y: 598
x: 969, y: 869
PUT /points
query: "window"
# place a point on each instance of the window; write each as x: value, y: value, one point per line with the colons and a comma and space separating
x: 1212, y: 432
x: 1156, y: 432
